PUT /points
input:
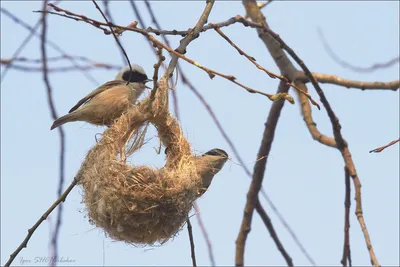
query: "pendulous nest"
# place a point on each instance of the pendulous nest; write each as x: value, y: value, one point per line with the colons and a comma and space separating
x: 139, y: 204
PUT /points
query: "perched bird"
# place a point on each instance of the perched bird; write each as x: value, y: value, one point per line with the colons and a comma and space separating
x: 208, y: 165
x: 106, y: 103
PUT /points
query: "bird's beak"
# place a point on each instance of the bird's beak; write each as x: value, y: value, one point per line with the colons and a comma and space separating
x: 146, y: 81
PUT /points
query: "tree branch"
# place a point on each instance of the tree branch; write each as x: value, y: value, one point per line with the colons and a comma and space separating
x: 192, y: 250
x: 193, y: 34
x: 380, y: 149
x: 132, y: 27
x: 341, y: 144
x: 258, y: 175
x: 267, y: 221
x: 347, y: 65
x: 347, y: 202
x: 333, y: 79
x: 270, y: 74
x: 60, y: 130
x: 38, y: 222
x: 53, y: 45
x: 116, y: 38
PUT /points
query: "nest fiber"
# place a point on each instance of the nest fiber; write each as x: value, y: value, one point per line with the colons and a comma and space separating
x: 139, y: 204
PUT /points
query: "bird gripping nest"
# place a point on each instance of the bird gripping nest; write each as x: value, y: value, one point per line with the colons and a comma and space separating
x: 139, y: 204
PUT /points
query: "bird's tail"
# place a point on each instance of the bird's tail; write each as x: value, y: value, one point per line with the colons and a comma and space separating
x: 64, y: 119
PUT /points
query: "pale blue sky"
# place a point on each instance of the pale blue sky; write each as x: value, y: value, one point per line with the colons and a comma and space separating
x: 303, y: 178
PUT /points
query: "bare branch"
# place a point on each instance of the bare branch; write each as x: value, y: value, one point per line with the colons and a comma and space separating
x: 24, y: 42
x: 205, y: 234
x: 258, y: 175
x: 59, y: 69
x: 261, y: 6
x: 157, y: 66
x: 288, y: 228
x: 33, y: 32
x: 141, y: 22
x: 132, y: 27
x: 57, y: 58
x: 192, y: 250
x: 344, y: 64
x: 380, y: 149
x: 106, y: 4
x: 341, y: 144
x: 38, y: 222
x: 60, y: 130
x: 347, y: 202
x: 270, y: 74
x: 209, y: 26
x: 116, y: 39
x: 193, y: 34
x: 21, y: 46
x: 333, y: 79
x: 267, y: 221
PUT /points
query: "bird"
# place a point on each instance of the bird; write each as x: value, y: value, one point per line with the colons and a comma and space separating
x: 107, y: 102
x: 208, y: 165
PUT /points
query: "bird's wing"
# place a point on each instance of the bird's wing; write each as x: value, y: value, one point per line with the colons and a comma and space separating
x: 95, y: 92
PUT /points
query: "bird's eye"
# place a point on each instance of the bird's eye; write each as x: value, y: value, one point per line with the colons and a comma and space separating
x: 135, y: 77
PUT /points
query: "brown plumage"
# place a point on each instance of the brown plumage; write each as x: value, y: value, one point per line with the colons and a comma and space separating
x: 106, y: 103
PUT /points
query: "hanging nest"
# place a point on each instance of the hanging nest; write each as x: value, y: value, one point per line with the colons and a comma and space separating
x: 139, y: 204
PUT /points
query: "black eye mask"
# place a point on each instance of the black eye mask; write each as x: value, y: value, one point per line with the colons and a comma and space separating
x: 136, y: 76
x: 216, y: 152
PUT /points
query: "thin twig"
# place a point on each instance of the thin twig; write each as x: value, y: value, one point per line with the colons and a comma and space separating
x: 270, y: 74
x: 116, y: 39
x: 33, y: 32
x: 344, y: 64
x: 54, y: 59
x: 347, y: 202
x: 380, y: 149
x: 60, y: 69
x: 192, y: 250
x: 141, y: 23
x: 20, y: 48
x: 205, y: 234
x: 268, y: 224
x: 288, y: 228
x: 38, y: 222
x: 107, y: 12
x: 193, y: 34
x: 308, y: 119
x: 24, y: 42
x: 106, y: 4
x: 333, y: 79
x: 157, y: 66
x: 258, y: 175
x: 60, y: 130
x: 210, y: 72
x: 209, y: 26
